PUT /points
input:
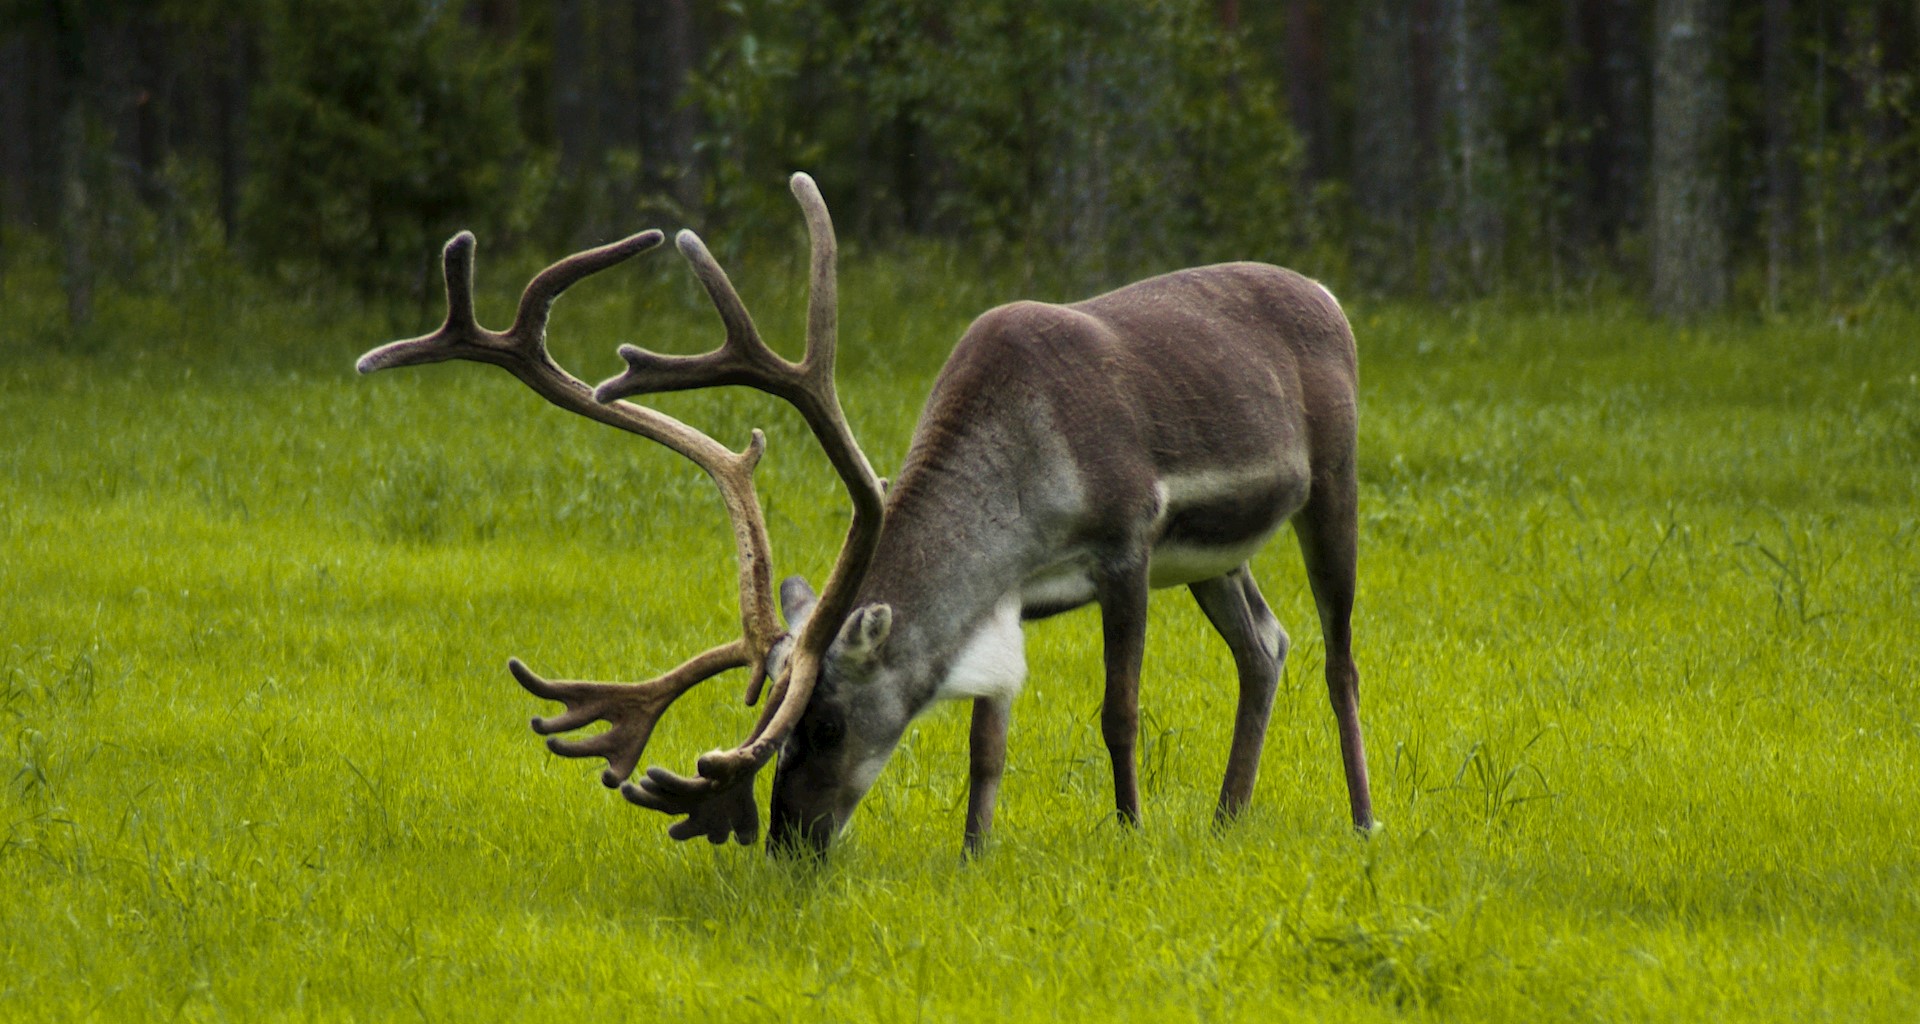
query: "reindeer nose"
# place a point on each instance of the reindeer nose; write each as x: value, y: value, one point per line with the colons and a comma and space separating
x: 792, y: 833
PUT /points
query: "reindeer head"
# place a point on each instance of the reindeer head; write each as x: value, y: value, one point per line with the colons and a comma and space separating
x: 847, y: 731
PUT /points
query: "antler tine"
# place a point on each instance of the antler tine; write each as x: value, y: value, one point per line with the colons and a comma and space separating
x: 742, y: 358
x: 521, y: 350
x: 633, y: 709
x: 829, y: 423
x: 456, y: 265
x: 460, y: 336
x: 823, y: 287
x: 536, y: 302
x: 719, y: 800
x: 454, y: 333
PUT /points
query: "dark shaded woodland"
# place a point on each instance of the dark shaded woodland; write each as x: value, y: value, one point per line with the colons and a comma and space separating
x: 1694, y: 153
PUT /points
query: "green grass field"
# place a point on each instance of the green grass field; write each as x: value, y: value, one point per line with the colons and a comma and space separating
x: 1637, y: 634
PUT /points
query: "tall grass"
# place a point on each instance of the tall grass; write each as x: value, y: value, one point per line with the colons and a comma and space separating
x: 1636, y: 631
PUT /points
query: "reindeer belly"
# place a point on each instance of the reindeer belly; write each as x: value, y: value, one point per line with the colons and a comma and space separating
x: 1208, y: 525
x: 1173, y: 565
x: 1057, y: 588
x: 1213, y: 522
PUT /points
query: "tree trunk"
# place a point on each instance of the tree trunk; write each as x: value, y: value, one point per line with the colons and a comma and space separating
x: 1470, y: 150
x: 1880, y: 89
x: 1689, y: 122
x: 499, y: 19
x: 150, y: 87
x: 1305, y: 35
x: 667, y: 57
x: 1426, y: 50
x: 572, y: 106
x: 1579, y: 161
x: 1385, y: 146
x: 76, y: 217
x: 1903, y: 60
x: 75, y: 226
x: 16, y: 143
x: 233, y: 85
x: 1867, y: 169
x: 1778, y: 100
x: 16, y: 132
x: 1821, y: 185
x: 1081, y: 173
x: 1605, y: 162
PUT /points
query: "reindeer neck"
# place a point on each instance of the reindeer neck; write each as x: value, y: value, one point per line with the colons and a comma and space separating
x: 950, y: 552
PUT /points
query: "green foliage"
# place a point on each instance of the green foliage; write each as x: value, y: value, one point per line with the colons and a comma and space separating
x: 1866, y: 185
x: 1066, y: 143
x: 384, y: 128
x: 1634, y: 629
x: 1114, y: 138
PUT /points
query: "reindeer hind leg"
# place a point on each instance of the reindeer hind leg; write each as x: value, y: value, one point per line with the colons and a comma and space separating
x: 1240, y: 615
x: 1328, y: 530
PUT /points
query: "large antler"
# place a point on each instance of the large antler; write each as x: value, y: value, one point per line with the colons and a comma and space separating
x: 631, y: 709
x: 719, y: 800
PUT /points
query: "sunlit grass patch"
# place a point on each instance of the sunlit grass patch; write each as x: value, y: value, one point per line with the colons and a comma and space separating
x: 1635, y: 633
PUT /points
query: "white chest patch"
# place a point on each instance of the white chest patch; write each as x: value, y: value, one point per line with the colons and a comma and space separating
x: 994, y: 661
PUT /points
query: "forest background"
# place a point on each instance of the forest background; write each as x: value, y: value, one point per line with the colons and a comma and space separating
x: 1691, y: 153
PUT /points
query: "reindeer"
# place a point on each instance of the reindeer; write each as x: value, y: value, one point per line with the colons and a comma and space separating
x: 1078, y: 454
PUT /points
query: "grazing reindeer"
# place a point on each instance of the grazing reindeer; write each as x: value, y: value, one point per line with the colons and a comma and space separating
x: 1069, y: 455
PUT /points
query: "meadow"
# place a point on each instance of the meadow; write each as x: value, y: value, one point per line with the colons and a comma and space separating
x: 1636, y: 628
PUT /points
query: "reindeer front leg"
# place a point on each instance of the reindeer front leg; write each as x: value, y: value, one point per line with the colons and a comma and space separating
x: 1123, y: 622
x: 986, y: 760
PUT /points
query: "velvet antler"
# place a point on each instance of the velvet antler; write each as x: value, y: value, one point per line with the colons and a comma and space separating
x: 631, y: 709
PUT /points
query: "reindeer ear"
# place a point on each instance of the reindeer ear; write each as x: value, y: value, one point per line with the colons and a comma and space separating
x: 865, y: 630
x: 796, y: 602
